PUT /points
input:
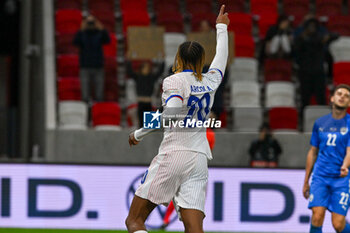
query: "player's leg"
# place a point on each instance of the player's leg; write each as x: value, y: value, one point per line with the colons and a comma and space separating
x: 167, y: 215
x: 318, y: 213
x: 193, y: 220
x: 140, y: 209
x: 339, y: 223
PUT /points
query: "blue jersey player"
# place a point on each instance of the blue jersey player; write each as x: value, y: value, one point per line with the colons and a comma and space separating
x: 328, y: 159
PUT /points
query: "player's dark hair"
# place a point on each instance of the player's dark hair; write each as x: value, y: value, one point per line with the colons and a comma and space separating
x: 190, y: 55
x: 345, y: 86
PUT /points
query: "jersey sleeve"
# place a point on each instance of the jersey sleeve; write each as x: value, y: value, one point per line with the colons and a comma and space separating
x: 314, y: 136
x: 214, y: 77
x: 172, y: 88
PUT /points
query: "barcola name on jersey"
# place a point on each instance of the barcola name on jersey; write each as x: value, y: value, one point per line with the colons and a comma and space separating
x: 191, y: 123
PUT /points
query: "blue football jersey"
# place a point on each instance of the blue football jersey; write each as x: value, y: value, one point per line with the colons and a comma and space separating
x: 331, y: 137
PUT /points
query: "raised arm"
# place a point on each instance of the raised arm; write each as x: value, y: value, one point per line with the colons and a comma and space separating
x: 220, y: 60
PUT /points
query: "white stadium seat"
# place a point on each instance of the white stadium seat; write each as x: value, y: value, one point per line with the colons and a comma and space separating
x: 172, y: 41
x: 243, y: 69
x: 247, y: 119
x: 312, y: 113
x: 340, y: 49
x: 245, y: 94
x: 72, y: 115
x: 280, y: 94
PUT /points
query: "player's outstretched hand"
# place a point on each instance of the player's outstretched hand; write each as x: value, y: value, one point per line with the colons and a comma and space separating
x: 223, y: 17
x: 132, y: 140
x: 344, y: 171
x: 306, y: 190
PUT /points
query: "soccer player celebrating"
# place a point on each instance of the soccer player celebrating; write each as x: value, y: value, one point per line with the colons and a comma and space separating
x: 329, y: 159
x: 180, y: 171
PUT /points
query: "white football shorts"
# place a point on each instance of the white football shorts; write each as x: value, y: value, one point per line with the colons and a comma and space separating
x: 178, y: 175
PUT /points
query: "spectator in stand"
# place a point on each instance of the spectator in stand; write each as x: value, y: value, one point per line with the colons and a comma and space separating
x: 265, y: 151
x: 278, y: 40
x: 145, y: 79
x: 90, y: 40
x: 310, y: 52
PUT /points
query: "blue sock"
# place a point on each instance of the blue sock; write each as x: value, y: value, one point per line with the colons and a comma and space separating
x: 346, y: 229
x: 314, y: 229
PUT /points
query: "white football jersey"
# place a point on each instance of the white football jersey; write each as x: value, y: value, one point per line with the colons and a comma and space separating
x: 197, y: 99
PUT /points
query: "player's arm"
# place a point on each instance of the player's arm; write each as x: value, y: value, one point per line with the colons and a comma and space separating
x: 220, y: 60
x: 310, y: 162
x: 344, y: 170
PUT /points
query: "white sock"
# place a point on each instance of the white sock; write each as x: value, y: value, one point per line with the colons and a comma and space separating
x: 140, y: 231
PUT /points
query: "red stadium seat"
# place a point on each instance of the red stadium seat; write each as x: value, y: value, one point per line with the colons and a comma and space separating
x: 68, y: 66
x: 341, y: 73
x: 68, y: 21
x: 197, y: 18
x: 328, y: 7
x: 135, y: 18
x: 69, y: 4
x: 132, y: 5
x: 64, y: 43
x: 111, y: 48
x: 166, y: 6
x: 172, y: 21
x: 244, y: 46
x: 233, y: 5
x: 240, y: 23
x: 69, y: 89
x: 111, y: 90
x: 101, y: 5
x: 296, y: 7
x: 258, y: 7
x: 106, y: 113
x: 277, y: 70
x: 199, y: 6
x: 110, y: 65
x: 265, y: 22
x: 339, y: 24
x: 282, y: 118
x: 106, y: 17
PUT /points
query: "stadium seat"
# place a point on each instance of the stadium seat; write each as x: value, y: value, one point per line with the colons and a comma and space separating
x: 110, y: 65
x: 280, y: 94
x: 277, y: 70
x: 197, y: 18
x: 111, y: 48
x: 111, y: 92
x: 101, y: 5
x: 171, y: 44
x: 328, y: 7
x: 240, y: 23
x: 135, y: 18
x: 106, y: 114
x: 106, y: 17
x: 68, y: 88
x: 247, y: 119
x: 172, y: 21
x: 283, y: 118
x: 72, y: 115
x: 244, y: 46
x: 131, y: 5
x: 199, y: 6
x: 69, y: 4
x: 296, y: 7
x: 166, y: 6
x: 340, y: 49
x: 243, y: 69
x: 64, y: 44
x: 68, y: 66
x: 312, y: 113
x: 265, y: 22
x: 68, y: 21
x: 341, y: 73
x: 233, y: 6
x: 258, y: 7
x: 245, y: 94
x: 339, y: 24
